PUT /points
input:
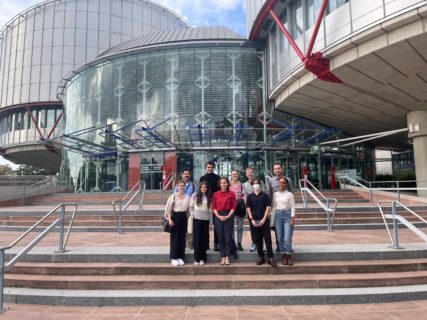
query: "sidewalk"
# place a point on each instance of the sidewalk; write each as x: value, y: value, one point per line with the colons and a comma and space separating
x: 409, y: 310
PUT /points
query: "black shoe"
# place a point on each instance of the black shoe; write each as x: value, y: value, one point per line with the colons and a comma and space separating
x: 271, y: 262
x: 239, y: 247
x: 216, y: 247
x: 260, y: 261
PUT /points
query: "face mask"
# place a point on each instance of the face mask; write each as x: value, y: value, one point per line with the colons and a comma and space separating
x: 256, y: 187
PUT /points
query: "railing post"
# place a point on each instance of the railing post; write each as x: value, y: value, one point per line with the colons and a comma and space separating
x: 328, y: 214
x: 305, y: 199
x: 395, y: 227
x: 61, y: 230
x: 2, y: 308
x: 398, y: 192
x: 120, y: 217
x: 370, y: 190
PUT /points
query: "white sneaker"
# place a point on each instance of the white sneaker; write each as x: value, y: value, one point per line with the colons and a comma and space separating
x: 181, y: 262
x: 202, y: 262
x: 197, y: 263
x: 175, y: 262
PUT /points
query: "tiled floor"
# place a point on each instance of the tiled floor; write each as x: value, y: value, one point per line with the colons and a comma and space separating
x: 409, y: 310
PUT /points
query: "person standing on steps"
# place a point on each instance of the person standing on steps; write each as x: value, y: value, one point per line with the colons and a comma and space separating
x: 258, y: 207
x: 212, y: 179
x: 238, y: 189
x: 201, y: 210
x: 223, y: 207
x: 177, y: 208
x: 190, y: 188
x: 248, y: 190
x: 284, y: 220
x: 273, y: 186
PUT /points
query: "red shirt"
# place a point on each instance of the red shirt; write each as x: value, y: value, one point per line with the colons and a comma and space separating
x: 224, y: 201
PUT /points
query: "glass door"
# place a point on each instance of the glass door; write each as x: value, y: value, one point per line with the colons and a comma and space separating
x: 152, y: 169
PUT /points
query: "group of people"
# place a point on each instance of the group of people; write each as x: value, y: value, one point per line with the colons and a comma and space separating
x: 221, y: 201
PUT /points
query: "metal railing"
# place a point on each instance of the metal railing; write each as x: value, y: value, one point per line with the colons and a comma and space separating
x: 60, y: 221
x: 126, y: 201
x: 397, y: 217
x: 370, y: 189
x: 170, y: 179
x: 330, y: 212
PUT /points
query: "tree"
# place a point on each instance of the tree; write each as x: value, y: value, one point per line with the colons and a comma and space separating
x: 6, y: 170
x: 28, y: 170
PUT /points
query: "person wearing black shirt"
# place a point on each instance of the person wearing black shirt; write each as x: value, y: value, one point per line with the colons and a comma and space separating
x: 212, y: 179
x: 258, y: 207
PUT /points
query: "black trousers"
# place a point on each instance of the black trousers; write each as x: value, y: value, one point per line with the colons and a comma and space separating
x: 225, y: 231
x: 215, y: 233
x: 200, y: 237
x: 177, y: 236
x: 262, y: 234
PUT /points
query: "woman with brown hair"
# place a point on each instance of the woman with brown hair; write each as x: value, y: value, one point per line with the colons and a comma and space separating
x: 176, y: 211
x: 223, y: 207
x: 201, y: 211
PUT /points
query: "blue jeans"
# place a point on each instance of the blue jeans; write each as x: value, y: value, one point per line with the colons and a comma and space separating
x: 284, y: 230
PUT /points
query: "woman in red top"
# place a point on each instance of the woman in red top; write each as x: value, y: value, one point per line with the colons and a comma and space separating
x: 223, y: 207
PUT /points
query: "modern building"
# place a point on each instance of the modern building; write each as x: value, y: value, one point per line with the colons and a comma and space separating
x: 163, y: 100
x: 41, y: 45
x: 372, y: 55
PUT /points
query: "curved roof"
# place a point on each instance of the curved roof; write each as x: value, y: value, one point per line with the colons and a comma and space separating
x: 177, y: 36
x: 46, y: 2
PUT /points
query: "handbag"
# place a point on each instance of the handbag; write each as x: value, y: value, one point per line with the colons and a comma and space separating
x: 165, y: 221
x: 240, y: 208
x: 165, y: 225
x: 272, y: 214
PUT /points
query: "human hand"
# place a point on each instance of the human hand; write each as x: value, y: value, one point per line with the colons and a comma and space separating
x: 171, y: 224
x: 292, y: 221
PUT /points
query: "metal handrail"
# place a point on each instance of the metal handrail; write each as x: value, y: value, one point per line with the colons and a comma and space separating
x: 396, y: 217
x: 39, y: 185
x: 330, y: 212
x: 306, y: 181
x: 370, y: 189
x: 62, y: 241
x: 171, y: 178
x: 119, y: 218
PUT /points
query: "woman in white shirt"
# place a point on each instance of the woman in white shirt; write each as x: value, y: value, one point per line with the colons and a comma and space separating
x: 284, y: 220
x: 176, y: 211
x: 201, y: 210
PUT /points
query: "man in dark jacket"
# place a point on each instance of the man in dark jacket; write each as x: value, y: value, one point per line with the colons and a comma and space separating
x: 212, y: 180
x: 258, y: 207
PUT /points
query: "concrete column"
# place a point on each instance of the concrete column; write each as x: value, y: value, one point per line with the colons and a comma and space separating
x: 417, y: 124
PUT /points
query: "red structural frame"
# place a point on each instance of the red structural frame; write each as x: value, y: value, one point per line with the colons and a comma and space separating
x: 313, y: 62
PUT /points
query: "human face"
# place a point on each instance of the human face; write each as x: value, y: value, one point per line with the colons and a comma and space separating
x: 234, y: 175
x: 210, y: 168
x: 283, y: 185
x: 181, y: 188
x: 250, y: 174
x: 223, y: 185
x: 203, y: 188
x: 186, y: 175
x: 277, y: 169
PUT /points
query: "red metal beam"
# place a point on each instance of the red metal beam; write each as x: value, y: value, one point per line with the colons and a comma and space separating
x: 288, y: 36
x: 34, y: 121
x: 316, y: 27
x: 54, y: 126
x: 259, y: 23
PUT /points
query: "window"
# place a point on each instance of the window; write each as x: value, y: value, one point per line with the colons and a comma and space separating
x: 298, y: 19
x: 313, y: 8
x: 335, y: 4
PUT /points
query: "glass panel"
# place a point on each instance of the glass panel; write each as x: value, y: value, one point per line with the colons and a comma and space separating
x: 298, y: 17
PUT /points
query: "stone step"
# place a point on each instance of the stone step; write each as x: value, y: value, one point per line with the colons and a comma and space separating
x: 236, y: 268
x: 224, y: 281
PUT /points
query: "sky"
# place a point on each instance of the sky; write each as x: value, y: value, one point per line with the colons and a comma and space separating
x: 198, y: 13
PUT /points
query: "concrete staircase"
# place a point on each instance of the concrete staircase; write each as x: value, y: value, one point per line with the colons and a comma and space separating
x: 146, y: 277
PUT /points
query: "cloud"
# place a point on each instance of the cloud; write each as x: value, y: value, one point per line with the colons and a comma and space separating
x: 200, y: 13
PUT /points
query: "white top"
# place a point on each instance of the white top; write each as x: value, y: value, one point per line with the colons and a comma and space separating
x: 180, y: 205
x: 284, y: 200
x: 202, y: 211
